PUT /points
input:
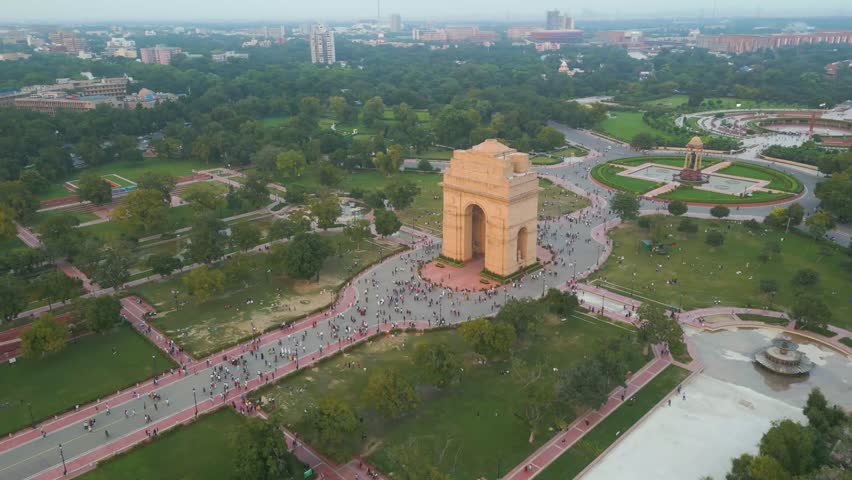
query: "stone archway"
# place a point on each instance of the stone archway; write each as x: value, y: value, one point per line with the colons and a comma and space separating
x: 522, y: 249
x: 491, y: 208
x: 478, y: 224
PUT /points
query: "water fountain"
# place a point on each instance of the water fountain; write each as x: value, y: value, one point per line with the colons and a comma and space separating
x: 784, y: 357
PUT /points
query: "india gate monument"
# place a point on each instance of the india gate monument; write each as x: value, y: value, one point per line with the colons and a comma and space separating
x: 491, y: 208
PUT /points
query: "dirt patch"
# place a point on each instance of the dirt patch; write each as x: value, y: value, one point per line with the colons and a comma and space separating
x: 392, y: 342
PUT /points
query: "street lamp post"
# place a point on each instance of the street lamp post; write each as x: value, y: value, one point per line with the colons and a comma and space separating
x: 154, y: 365
x: 195, y: 401
x: 62, y: 456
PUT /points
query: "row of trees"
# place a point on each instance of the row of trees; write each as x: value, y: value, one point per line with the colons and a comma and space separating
x: 47, y: 335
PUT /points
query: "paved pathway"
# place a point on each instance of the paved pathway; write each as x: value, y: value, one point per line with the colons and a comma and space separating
x: 25, y: 455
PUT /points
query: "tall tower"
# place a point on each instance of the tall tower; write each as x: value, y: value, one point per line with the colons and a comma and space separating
x: 554, y: 20
x: 322, y: 45
x: 396, y: 23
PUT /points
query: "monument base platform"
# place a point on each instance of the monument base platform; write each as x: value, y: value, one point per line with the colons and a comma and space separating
x: 468, y: 277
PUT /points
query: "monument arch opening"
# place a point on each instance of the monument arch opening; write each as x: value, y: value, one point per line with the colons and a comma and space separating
x: 522, y: 244
x: 477, y: 228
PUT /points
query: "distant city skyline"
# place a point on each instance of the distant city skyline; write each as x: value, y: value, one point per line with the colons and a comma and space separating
x: 90, y: 11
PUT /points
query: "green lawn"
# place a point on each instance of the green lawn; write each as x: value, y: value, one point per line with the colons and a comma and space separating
x: 702, y: 283
x: 777, y: 180
x: 85, y: 370
x: 751, y: 317
x: 608, y: 174
x: 204, y: 328
x: 671, y: 161
x: 689, y: 194
x: 581, y: 454
x: 41, y: 217
x: 554, y: 201
x: 713, y: 103
x: 555, y: 156
x: 626, y: 125
x: 202, y: 450
x: 473, y: 422
x: 9, y: 244
x: 434, y: 153
x: 129, y: 170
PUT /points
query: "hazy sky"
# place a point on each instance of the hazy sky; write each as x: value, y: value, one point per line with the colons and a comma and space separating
x: 293, y: 10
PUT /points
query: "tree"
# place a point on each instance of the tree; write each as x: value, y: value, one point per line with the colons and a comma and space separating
x: 55, y: 286
x: 113, y: 268
x: 93, y: 188
x: 245, y: 235
x: 549, y: 138
x: 687, y: 225
x: 677, y: 208
x: 326, y: 211
x: 583, y: 386
x: 204, y: 282
x: 13, y: 299
x: 656, y: 327
x: 142, y: 210
x: 305, y: 255
x: 714, y: 238
x: 261, y: 453
x: 161, y: 182
x: 34, y: 181
x: 373, y: 111
x: 810, y: 312
x: 386, y: 222
x: 440, y: 365
x: 330, y: 175
x: 18, y: 199
x: 386, y: 164
x: 60, y: 235
x: 791, y: 444
x: 163, y: 264
x: 625, y: 205
x: 821, y: 416
x: 425, y: 165
x: 207, y: 240
x: 561, y: 303
x: 764, y: 467
x: 720, y: 211
x: 100, y: 313
x: 254, y: 190
x: 796, y: 213
x: 740, y: 468
x: 291, y: 163
x: 203, y: 197
x: 401, y: 192
x: 340, y: 108
x: 642, y: 141
x: 805, y: 277
x: 295, y: 195
x: 525, y: 315
x: 7, y: 222
x: 777, y: 218
x: 357, y: 231
x: 391, y: 393
x: 835, y: 194
x: 45, y: 336
x: 537, y: 401
x: 333, y: 420
x: 487, y: 337
x: 284, y: 228
x: 819, y: 224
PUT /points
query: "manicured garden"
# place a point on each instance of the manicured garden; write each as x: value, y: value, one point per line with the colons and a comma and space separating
x: 468, y: 429
x: 715, y: 103
x: 608, y: 174
x: 730, y: 274
x: 777, y: 180
x: 689, y: 194
x: 668, y: 160
x: 90, y: 367
x: 129, y: 170
x: 227, y: 318
x: 206, y: 449
x: 556, y: 156
x: 626, y: 125
x: 555, y: 201
x: 592, y: 445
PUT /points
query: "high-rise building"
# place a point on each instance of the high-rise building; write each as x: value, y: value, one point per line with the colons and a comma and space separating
x: 557, y: 21
x: 322, y: 45
x: 160, y: 54
x: 396, y: 23
x: 69, y: 41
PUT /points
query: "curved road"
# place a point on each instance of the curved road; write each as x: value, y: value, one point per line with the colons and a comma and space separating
x: 389, y: 293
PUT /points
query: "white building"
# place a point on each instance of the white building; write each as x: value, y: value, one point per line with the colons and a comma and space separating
x: 322, y: 45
